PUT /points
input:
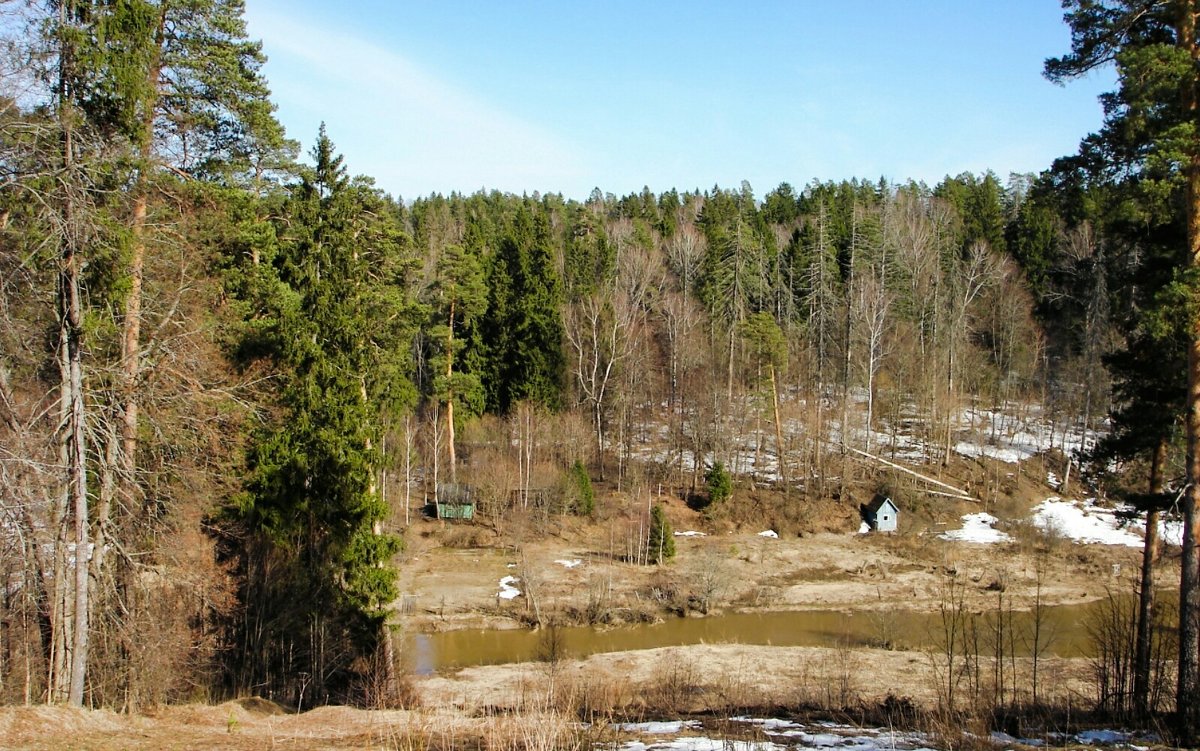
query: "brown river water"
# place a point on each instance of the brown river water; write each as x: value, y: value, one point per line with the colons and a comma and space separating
x: 1064, y: 628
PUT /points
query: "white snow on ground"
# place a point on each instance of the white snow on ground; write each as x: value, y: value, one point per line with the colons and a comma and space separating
x: 702, y: 744
x: 655, y: 728
x: 976, y: 528
x: 1102, y: 736
x: 1001, y: 434
x: 864, y: 528
x: 507, y: 589
x: 1052, y: 479
x: 784, y: 734
x: 691, y: 533
x: 1083, y: 521
x: 767, y: 723
x: 1012, y: 432
x: 1009, y: 454
x: 1171, y: 532
x: 769, y: 533
x: 1007, y: 740
x: 569, y: 563
x: 803, y: 739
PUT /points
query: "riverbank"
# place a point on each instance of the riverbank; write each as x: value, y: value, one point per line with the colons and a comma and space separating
x: 740, y: 677
x: 569, y: 578
x: 877, y: 600
x: 568, y: 704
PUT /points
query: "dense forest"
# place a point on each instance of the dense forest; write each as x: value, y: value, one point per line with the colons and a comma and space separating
x: 228, y: 371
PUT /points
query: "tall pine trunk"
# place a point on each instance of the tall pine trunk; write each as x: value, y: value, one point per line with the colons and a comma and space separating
x: 1187, y: 701
x: 131, y: 333
x: 1150, y: 552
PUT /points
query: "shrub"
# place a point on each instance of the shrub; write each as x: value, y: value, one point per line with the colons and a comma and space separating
x: 718, y: 482
x: 581, y: 489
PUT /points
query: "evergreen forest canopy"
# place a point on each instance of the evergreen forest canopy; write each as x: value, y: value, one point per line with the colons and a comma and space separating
x: 228, y: 374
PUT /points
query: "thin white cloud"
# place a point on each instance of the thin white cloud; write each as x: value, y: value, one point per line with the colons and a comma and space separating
x: 399, y: 123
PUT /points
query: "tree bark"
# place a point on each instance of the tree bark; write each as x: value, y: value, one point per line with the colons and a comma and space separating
x: 71, y: 334
x: 72, y: 328
x: 1150, y: 552
x: 131, y: 334
x: 778, y: 428
x: 1187, y: 701
x: 55, y: 574
x: 450, y: 397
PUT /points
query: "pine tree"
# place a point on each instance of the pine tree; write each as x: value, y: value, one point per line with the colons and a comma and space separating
x: 734, y: 270
x: 1152, y: 122
x: 458, y: 296
x: 981, y: 205
x: 769, y: 348
x: 171, y: 90
x: 1149, y: 374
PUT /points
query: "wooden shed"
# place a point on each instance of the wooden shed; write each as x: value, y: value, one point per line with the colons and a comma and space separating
x: 881, y: 514
x: 455, y: 501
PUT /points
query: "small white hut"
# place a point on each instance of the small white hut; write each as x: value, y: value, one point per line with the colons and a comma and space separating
x: 882, y: 514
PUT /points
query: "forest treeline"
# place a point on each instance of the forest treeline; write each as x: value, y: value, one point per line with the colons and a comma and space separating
x: 227, y: 373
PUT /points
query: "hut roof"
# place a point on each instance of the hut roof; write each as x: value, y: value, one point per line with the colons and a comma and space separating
x: 878, y: 502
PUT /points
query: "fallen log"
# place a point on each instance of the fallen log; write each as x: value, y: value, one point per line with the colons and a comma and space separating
x: 958, y: 493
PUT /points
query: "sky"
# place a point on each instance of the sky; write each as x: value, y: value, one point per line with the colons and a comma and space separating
x: 566, y: 95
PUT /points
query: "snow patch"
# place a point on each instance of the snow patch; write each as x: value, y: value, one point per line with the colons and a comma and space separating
x: 979, y: 528
x: 1083, y: 521
x: 507, y: 589
x: 1013, y: 434
x: 864, y: 528
x: 1171, y: 532
x: 766, y: 723
x: 1102, y: 737
x: 1008, y: 455
x: 569, y: 563
x: 769, y: 533
x: 691, y: 533
x: 700, y: 743
x: 785, y: 734
x: 656, y: 728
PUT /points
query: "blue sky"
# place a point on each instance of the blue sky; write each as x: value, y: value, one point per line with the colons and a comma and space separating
x: 565, y: 96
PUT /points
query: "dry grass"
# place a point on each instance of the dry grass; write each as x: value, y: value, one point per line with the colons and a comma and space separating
x: 535, y: 706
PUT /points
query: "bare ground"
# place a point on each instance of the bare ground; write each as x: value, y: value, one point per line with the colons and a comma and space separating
x: 532, y: 706
x: 450, y: 575
x: 537, y: 706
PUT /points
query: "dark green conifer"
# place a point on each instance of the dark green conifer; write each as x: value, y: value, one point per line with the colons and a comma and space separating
x: 660, y: 545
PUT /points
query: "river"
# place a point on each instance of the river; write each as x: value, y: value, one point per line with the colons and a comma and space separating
x: 1064, y: 632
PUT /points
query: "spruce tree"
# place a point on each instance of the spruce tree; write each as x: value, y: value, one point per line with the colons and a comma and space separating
x: 583, y: 496
x: 660, y: 544
x: 523, y: 326
x: 718, y: 483
x: 319, y: 582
